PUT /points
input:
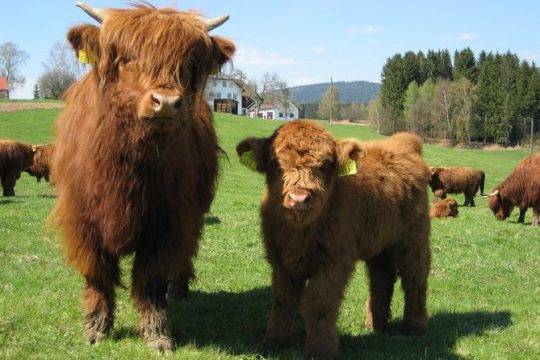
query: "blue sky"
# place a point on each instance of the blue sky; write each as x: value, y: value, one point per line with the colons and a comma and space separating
x: 307, y: 41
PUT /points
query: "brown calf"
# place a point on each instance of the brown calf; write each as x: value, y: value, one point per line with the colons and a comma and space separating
x: 444, y: 208
x: 42, y: 162
x: 521, y: 188
x: 317, y: 225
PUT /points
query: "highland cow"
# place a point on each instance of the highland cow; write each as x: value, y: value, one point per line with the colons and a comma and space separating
x: 521, y: 188
x: 41, y: 163
x: 15, y: 157
x: 456, y: 180
x: 135, y: 159
x: 317, y: 224
x: 444, y: 208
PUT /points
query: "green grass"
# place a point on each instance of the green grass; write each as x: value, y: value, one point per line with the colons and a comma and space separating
x: 483, y: 297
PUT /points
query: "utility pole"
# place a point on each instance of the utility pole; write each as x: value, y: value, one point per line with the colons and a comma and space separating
x: 532, y: 133
x: 331, y: 99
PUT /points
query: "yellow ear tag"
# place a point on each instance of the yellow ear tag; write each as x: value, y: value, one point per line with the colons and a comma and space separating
x: 249, y: 160
x: 85, y: 57
x: 349, y: 168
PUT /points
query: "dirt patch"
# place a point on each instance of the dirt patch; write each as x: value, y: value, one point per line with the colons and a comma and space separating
x: 21, y: 105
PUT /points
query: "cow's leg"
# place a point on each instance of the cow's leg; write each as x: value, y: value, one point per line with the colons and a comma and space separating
x: 286, y: 293
x: 319, y: 306
x: 150, y: 280
x: 522, y: 211
x: 8, y: 184
x: 178, y: 288
x: 101, y: 275
x: 382, y: 276
x: 471, y: 199
x: 536, y: 213
x: 413, y: 267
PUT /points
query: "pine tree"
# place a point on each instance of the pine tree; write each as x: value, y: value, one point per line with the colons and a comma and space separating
x: 36, y: 92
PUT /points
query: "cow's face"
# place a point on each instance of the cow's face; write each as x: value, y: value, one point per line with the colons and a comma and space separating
x: 151, y: 64
x: 301, y: 162
x: 434, y: 180
x: 499, y: 204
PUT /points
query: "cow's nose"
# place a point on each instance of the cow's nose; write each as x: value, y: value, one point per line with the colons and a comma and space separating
x: 165, y: 105
x: 298, y: 198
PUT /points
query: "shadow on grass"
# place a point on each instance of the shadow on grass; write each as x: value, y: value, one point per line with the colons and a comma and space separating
x: 235, y: 323
x: 211, y: 220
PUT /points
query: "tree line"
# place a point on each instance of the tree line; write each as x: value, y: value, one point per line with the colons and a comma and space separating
x: 490, y: 98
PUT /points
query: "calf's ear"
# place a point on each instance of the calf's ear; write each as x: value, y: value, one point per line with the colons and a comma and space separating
x: 85, y: 41
x: 347, y: 150
x: 223, y: 50
x: 253, y: 153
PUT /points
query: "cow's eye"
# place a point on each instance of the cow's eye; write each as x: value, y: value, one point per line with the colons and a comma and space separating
x: 123, y: 60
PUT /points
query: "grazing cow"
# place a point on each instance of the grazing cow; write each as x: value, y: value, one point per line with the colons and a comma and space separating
x: 317, y: 225
x: 15, y: 157
x: 444, y: 208
x: 521, y: 188
x: 135, y: 158
x: 456, y: 180
x: 42, y: 161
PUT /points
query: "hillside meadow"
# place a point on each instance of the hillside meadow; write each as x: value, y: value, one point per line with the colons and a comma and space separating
x: 484, y: 287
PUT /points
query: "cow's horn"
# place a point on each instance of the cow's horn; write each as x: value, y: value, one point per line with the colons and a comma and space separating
x: 97, y: 14
x: 494, y: 193
x: 211, y: 24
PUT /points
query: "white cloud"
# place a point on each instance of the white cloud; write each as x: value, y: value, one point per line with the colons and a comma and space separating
x: 366, y: 30
x: 318, y: 49
x: 253, y: 56
x: 467, y: 36
x: 531, y: 56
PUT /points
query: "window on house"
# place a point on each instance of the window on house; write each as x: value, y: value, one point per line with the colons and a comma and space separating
x: 224, y: 84
x: 235, y: 96
x: 214, y: 83
x: 291, y: 115
x: 218, y: 95
x: 280, y: 115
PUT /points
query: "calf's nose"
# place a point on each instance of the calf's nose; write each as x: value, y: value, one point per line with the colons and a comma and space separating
x: 165, y: 105
x: 297, y: 199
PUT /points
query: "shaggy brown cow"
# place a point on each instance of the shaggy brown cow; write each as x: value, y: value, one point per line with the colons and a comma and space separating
x: 41, y: 163
x: 521, y: 188
x: 317, y: 225
x: 135, y: 158
x: 15, y: 157
x: 456, y: 180
x: 444, y: 208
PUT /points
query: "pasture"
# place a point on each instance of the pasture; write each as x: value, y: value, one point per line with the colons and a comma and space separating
x: 483, y: 296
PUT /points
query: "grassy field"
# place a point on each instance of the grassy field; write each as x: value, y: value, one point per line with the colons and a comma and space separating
x: 484, y: 287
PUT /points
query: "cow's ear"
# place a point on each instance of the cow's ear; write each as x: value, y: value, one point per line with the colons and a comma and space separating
x: 253, y: 153
x: 348, y: 152
x: 85, y: 41
x: 223, y: 50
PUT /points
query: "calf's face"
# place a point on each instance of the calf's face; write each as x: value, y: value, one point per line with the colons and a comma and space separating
x: 301, y: 162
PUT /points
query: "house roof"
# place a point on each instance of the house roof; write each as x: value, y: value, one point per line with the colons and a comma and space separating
x: 3, y: 84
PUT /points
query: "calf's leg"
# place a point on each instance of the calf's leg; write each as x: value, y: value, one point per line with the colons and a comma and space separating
x: 382, y: 276
x: 286, y: 292
x: 319, y: 305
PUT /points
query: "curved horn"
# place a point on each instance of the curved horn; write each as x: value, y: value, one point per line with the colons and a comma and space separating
x: 97, y: 14
x: 211, y: 24
x: 494, y: 193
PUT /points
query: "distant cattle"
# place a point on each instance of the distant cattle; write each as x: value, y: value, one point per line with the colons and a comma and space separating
x: 317, y: 225
x: 135, y: 158
x: 521, y: 188
x: 456, y: 180
x: 41, y: 163
x: 15, y: 157
x: 444, y: 208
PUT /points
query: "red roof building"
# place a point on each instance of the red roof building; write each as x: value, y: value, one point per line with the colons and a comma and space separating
x: 4, y: 88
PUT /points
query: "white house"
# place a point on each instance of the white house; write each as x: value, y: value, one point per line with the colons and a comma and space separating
x: 270, y: 110
x: 223, y: 94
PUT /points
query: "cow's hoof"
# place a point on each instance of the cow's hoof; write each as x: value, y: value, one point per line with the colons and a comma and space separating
x: 162, y: 344
x: 94, y: 337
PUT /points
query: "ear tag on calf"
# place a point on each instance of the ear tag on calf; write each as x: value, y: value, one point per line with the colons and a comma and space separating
x: 249, y: 160
x: 349, y: 168
x: 85, y: 57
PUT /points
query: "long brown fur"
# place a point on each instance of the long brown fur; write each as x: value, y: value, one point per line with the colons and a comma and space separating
x: 456, y: 180
x: 444, y: 208
x: 128, y: 182
x: 41, y: 162
x: 521, y: 188
x: 15, y: 157
x: 317, y: 225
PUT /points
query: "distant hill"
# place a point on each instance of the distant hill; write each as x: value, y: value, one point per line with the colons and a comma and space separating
x: 349, y: 91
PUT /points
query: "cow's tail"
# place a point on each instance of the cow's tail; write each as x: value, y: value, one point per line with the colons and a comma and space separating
x: 481, y: 184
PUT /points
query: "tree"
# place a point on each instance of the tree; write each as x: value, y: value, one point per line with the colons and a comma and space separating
x: 462, y: 104
x: 354, y: 111
x: 329, y: 98
x: 442, y: 107
x: 465, y: 65
x: 37, y: 92
x: 261, y: 90
x: 394, y: 84
x: 59, y: 73
x: 11, y: 59
x: 282, y: 95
